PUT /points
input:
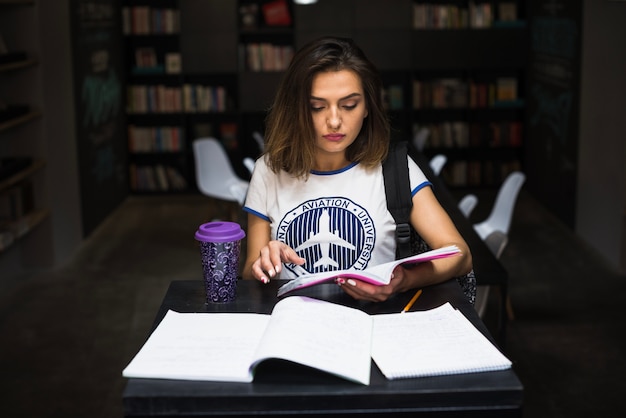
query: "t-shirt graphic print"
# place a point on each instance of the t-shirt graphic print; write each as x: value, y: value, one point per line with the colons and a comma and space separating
x: 330, y: 233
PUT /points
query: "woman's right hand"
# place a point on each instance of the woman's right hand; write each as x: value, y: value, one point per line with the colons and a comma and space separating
x: 271, y: 258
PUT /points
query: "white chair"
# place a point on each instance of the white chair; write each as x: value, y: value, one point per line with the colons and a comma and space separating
x: 467, y: 204
x: 260, y: 142
x: 249, y: 164
x: 500, y: 217
x: 437, y: 162
x: 420, y: 138
x: 496, y: 242
x: 495, y: 230
x: 214, y: 174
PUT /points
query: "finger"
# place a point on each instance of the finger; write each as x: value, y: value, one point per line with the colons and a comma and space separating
x: 364, y: 291
x: 267, y: 261
x: 276, y: 256
x: 258, y: 272
x: 291, y: 256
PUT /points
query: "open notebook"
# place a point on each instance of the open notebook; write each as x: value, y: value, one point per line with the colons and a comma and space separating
x: 333, y: 338
x: 378, y: 275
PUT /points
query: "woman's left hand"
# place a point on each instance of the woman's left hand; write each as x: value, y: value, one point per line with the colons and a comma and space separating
x: 361, y: 290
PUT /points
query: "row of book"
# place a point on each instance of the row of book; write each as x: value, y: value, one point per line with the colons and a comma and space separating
x: 144, y: 20
x: 478, y: 173
x: 159, y: 177
x: 10, y: 231
x: 147, y: 62
x: 17, y: 206
x: 462, y: 134
x: 190, y: 98
x: 155, y: 139
x: 459, y: 93
x: 253, y: 15
x: 266, y: 56
x: 452, y: 16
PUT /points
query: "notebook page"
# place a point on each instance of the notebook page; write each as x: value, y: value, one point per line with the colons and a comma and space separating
x: 430, y: 343
x: 200, y: 346
x: 320, y: 334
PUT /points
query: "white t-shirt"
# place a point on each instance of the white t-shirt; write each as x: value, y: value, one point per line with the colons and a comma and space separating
x: 334, y: 220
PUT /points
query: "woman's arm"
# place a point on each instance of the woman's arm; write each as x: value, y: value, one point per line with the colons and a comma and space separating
x: 434, y: 225
x: 265, y: 256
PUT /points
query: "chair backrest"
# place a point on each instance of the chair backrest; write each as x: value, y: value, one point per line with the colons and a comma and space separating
x: 467, y: 204
x: 437, y: 162
x: 500, y: 217
x: 260, y: 142
x: 249, y: 164
x: 496, y: 241
x: 420, y: 138
x: 214, y: 174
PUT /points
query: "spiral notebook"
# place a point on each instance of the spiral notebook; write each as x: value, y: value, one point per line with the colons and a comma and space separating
x: 437, y: 342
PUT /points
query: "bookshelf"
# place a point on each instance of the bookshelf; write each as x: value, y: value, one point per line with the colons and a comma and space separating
x: 265, y: 46
x: 154, y: 97
x: 168, y: 104
x: 467, y: 86
x: 20, y: 166
x: 464, y: 82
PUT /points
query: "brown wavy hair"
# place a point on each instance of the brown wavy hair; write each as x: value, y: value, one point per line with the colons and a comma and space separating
x: 290, y: 134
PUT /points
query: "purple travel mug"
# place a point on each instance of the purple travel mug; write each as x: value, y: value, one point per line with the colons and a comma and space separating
x: 220, y: 246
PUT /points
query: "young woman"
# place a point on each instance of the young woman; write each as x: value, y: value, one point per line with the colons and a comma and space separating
x: 316, y: 199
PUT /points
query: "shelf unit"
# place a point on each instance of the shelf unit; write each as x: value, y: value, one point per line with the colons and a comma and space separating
x: 20, y: 210
x: 266, y: 44
x: 469, y: 92
x: 154, y: 105
x: 490, y: 55
x: 168, y: 107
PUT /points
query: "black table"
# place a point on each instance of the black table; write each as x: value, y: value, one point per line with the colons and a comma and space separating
x: 282, y: 388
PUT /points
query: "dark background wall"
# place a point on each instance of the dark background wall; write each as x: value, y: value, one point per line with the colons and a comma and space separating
x: 601, y: 180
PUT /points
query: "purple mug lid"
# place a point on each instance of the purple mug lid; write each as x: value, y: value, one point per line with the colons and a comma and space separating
x: 220, y: 232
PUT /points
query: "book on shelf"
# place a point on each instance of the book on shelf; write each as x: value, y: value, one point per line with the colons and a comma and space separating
x: 377, y: 275
x: 276, y: 13
x: 480, y: 15
x: 199, y: 98
x: 145, y: 58
x: 173, y: 63
x: 439, y: 16
x: 248, y: 15
x: 144, y: 20
x: 155, y: 178
x: 161, y: 177
x: 507, y: 11
x: 506, y: 88
x: 267, y: 57
x: 230, y: 346
x: 154, y: 139
x: 154, y: 98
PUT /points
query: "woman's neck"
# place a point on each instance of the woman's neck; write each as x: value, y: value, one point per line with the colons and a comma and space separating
x: 331, y: 162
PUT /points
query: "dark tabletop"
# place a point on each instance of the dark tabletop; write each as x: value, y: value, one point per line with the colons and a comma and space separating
x: 285, y: 388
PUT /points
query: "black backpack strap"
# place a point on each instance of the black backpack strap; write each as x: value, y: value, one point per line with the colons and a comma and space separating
x: 398, y: 191
x: 399, y: 203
